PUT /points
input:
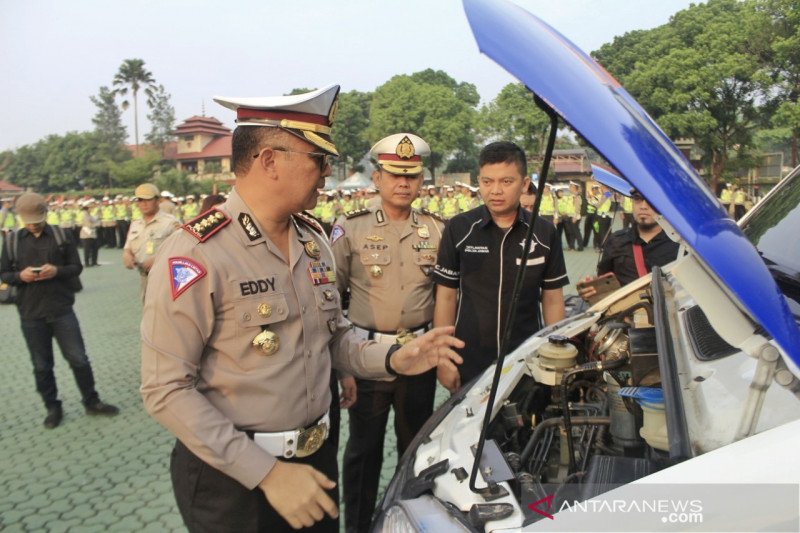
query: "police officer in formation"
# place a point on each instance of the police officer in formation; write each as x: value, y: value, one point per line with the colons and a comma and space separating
x: 385, y: 256
x: 251, y: 287
x: 146, y: 233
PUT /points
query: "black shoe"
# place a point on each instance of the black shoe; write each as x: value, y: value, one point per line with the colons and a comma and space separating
x: 98, y: 407
x: 580, y: 249
x: 54, y: 417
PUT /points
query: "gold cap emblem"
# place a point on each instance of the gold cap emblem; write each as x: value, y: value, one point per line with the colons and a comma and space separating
x: 405, y: 148
x: 264, y: 310
x: 268, y: 341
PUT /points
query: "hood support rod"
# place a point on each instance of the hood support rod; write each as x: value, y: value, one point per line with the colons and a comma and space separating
x: 512, y: 308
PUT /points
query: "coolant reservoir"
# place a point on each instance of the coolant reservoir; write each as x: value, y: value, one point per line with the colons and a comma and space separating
x: 557, y: 353
x: 654, y: 428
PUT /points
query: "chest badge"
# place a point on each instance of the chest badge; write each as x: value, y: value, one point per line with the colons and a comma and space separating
x: 423, y: 245
x: 376, y: 271
x: 374, y: 238
x: 312, y: 249
x: 423, y: 232
x: 264, y: 310
x: 268, y: 342
x: 332, y: 325
x: 328, y: 295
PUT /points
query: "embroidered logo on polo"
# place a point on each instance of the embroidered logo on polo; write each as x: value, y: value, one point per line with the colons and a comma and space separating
x: 321, y: 273
x: 183, y: 274
x: 533, y: 246
x: 249, y: 227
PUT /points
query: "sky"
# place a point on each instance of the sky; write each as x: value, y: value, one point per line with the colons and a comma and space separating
x: 55, y: 54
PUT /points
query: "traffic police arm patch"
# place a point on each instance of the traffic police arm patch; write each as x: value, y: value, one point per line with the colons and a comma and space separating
x: 207, y: 224
x: 336, y: 233
x: 183, y: 273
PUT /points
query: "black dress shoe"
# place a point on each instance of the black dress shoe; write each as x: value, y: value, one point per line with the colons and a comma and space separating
x: 98, y: 407
x: 54, y: 417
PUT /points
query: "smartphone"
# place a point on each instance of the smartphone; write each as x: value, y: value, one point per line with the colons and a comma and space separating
x: 36, y: 270
x: 604, y: 285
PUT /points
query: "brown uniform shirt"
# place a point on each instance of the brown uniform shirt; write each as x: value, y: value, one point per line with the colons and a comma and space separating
x: 144, y: 238
x: 387, y: 266
x: 203, y: 379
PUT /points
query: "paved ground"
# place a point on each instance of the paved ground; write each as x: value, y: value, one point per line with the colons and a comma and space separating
x: 97, y: 474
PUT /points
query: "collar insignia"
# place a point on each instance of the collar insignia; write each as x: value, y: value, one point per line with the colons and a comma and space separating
x: 249, y: 227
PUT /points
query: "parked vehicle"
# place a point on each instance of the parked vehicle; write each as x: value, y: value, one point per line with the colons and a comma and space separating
x: 687, y: 375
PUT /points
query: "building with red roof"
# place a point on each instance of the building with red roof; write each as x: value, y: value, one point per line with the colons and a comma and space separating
x: 203, y: 147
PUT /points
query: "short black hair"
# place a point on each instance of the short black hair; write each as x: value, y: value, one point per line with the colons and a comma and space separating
x: 503, y: 152
x: 246, y: 142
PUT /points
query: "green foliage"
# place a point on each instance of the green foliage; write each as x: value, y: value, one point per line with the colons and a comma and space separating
x: 62, y: 162
x: 700, y: 76
x: 161, y: 117
x: 350, y: 124
x: 135, y: 171
x: 429, y: 104
x: 513, y: 116
x: 134, y: 77
x: 108, y: 120
x: 175, y: 181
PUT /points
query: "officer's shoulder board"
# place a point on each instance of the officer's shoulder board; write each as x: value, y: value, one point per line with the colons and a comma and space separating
x: 310, y: 221
x: 207, y: 224
x: 433, y: 215
x: 356, y: 213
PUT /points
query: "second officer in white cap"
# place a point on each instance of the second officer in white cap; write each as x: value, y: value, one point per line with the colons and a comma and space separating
x: 240, y: 327
x: 384, y: 256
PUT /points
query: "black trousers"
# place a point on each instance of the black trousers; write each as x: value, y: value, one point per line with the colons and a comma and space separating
x: 412, y: 399
x: 122, y: 232
x: 588, y: 230
x: 212, y: 502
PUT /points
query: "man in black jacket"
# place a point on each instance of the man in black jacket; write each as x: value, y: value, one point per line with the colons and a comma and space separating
x: 45, y: 268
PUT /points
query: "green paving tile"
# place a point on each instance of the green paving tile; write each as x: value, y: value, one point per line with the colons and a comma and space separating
x: 105, y: 469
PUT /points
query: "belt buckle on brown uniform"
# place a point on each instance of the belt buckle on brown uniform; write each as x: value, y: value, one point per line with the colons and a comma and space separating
x: 310, y: 439
x: 404, y: 336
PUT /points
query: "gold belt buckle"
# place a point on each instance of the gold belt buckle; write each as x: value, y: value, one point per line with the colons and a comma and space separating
x: 311, y: 439
x: 404, y: 336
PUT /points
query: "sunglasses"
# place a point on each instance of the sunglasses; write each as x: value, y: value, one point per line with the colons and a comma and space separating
x: 322, y: 159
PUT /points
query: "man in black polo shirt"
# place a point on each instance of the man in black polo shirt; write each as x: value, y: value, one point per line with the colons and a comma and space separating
x: 477, y: 263
x: 619, y: 252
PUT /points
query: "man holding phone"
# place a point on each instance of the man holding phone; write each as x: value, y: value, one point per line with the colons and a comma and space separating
x: 631, y: 253
x: 44, y: 271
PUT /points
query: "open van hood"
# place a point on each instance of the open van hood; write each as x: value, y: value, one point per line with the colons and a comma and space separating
x: 595, y: 105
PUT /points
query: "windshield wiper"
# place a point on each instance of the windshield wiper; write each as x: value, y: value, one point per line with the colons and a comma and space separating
x: 515, y: 294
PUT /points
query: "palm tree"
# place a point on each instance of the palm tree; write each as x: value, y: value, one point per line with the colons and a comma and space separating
x: 132, y: 75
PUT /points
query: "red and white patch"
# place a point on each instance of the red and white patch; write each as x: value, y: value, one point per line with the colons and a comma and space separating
x: 183, y: 273
x: 336, y: 233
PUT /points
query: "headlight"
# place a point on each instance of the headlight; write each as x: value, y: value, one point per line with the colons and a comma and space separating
x: 425, y: 513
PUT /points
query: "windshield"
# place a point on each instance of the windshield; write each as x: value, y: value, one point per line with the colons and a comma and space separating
x: 772, y: 228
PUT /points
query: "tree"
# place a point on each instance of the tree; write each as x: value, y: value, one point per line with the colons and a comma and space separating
x: 134, y: 77
x: 352, y: 120
x: 162, y: 118
x: 700, y: 77
x: 430, y: 104
x: 108, y: 119
x: 513, y: 116
x: 784, y: 65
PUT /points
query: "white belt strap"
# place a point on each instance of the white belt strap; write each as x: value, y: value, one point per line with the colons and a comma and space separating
x: 284, y: 443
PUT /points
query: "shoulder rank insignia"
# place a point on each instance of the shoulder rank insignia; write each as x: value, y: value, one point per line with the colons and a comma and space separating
x: 356, y: 213
x: 308, y: 220
x: 207, y: 224
x: 433, y: 215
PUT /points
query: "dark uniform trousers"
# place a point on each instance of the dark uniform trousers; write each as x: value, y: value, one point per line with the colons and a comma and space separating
x: 212, y: 502
x: 412, y: 398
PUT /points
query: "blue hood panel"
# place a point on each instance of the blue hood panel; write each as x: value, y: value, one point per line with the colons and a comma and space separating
x: 595, y: 105
x: 611, y: 180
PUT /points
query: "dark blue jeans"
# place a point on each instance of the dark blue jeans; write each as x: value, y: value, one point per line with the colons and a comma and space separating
x: 39, y: 336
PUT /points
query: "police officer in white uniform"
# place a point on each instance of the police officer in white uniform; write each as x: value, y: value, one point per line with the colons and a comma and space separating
x: 241, y: 324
